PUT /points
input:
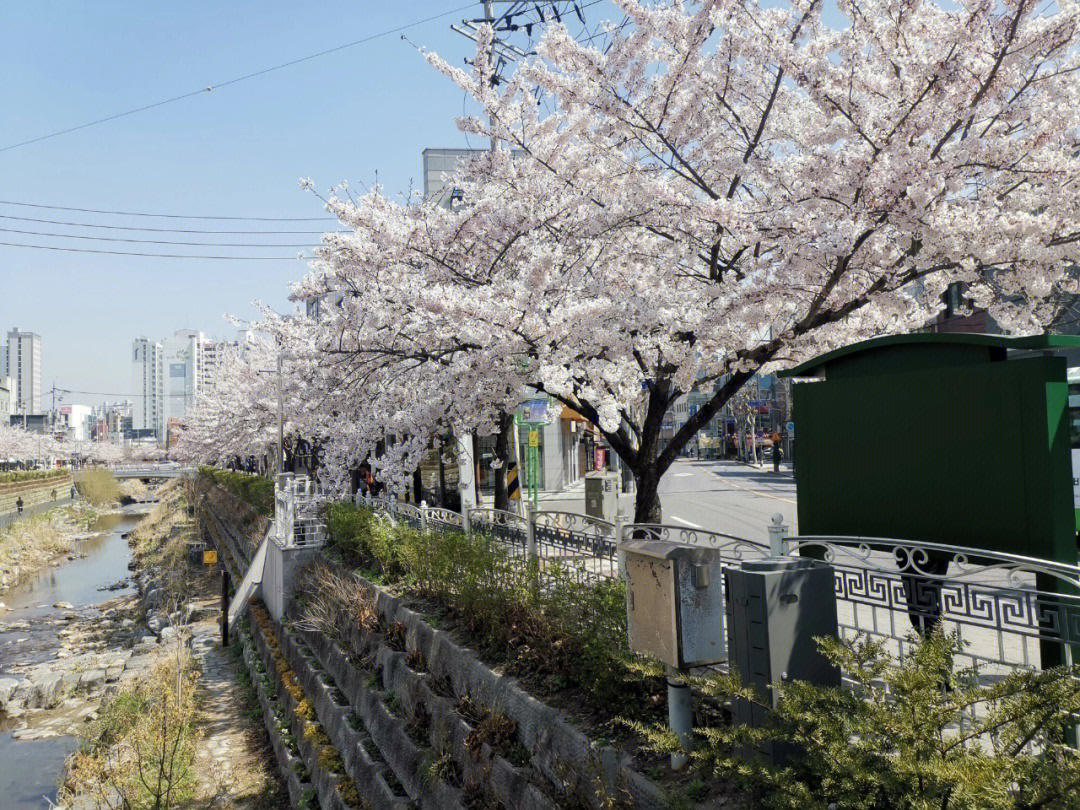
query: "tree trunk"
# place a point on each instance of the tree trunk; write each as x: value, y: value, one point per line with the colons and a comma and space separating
x: 647, y: 498
x: 503, y: 449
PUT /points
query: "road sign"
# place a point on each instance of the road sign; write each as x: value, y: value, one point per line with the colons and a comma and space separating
x: 534, y: 438
x: 790, y: 428
x: 209, y: 557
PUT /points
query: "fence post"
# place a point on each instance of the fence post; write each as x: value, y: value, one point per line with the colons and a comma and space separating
x: 532, y: 562
x: 423, y: 516
x: 620, y: 555
x: 778, y: 533
x: 466, y: 519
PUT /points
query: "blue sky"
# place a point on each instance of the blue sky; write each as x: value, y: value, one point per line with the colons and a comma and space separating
x: 235, y: 151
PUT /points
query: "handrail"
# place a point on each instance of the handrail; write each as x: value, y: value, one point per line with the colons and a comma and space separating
x: 911, y: 557
x: 574, y: 521
x: 495, y: 517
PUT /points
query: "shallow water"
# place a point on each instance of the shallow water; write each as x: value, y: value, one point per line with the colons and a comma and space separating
x: 29, y: 769
x: 77, y: 582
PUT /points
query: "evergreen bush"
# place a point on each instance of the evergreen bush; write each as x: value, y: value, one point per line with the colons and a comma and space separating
x: 914, y: 735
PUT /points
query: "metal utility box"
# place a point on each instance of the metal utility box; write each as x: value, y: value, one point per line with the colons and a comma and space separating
x: 602, y: 495
x: 960, y: 439
x: 675, y: 602
x: 774, y: 609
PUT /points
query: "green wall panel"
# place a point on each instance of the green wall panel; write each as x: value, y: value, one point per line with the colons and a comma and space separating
x: 972, y: 454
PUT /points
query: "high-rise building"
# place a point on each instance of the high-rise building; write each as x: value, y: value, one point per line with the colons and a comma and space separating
x: 146, y: 375
x: 214, y: 353
x: 169, y: 374
x: 181, y: 361
x: 22, y: 362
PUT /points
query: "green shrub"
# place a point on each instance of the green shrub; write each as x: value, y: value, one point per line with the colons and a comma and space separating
x: 98, y: 486
x: 254, y: 490
x: 546, y: 623
x: 914, y: 735
x: 20, y: 476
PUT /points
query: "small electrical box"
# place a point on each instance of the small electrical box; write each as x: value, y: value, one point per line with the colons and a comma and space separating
x: 675, y: 602
x: 602, y: 495
x: 775, y: 609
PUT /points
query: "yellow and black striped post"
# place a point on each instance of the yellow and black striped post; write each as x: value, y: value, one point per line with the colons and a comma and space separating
x: 513, y: 485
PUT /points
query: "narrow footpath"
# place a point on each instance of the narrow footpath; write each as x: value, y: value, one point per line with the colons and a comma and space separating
x: 233, y: 756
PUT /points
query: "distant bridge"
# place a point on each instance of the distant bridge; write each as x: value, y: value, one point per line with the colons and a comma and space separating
x: 147, y: 471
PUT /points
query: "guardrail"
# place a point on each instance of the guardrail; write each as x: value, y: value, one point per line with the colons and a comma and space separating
x: 1008, y: 611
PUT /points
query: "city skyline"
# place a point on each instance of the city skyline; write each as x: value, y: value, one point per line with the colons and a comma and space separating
x: 235, y: 151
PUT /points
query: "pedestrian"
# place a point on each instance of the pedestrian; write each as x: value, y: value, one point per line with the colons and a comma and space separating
x: 19, y: 505
x: 72, y: 492
x: 777, y: 450
x: 54, y: 493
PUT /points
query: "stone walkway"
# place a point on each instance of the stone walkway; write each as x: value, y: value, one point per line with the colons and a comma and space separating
x: 231, y: 756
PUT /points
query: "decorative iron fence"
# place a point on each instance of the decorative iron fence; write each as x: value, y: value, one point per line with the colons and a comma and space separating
x: 585, y: 545
x: 1007, y: 610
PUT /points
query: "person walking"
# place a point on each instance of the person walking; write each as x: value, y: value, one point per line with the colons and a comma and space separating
x: 19, y: 505
x: 777, y: 450
x: 54, y: 493
x: 72, y: 492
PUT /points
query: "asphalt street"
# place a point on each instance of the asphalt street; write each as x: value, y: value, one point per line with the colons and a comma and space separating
x: 720, y: 496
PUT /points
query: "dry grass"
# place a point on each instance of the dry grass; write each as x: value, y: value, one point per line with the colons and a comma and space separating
x: 160, y: 541
x: 31, y: 544
x: 332, y: 600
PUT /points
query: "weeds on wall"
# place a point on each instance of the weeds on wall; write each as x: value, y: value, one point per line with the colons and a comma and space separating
x: 256, y: 491
x: 909, y: 736
x: 547, y: 624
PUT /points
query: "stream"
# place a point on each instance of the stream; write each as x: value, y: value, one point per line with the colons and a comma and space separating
x: 29, y: 769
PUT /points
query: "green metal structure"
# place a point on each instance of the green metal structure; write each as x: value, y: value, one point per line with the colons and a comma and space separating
x: 959, y: 439
x: 534, y: 416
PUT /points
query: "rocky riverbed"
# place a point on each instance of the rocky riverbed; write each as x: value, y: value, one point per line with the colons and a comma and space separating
x: 70, y: 634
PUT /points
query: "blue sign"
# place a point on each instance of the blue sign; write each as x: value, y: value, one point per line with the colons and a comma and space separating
x: 790, y: 428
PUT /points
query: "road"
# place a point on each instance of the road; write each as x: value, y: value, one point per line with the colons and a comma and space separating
x: 720, y: 496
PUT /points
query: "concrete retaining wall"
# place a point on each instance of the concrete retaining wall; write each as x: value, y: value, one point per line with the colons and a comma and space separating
x: 34, y: 493
x: 404, y: 705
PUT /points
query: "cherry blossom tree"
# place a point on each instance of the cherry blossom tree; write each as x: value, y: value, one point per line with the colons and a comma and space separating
x: 729, y: 187
x: 237, y: 414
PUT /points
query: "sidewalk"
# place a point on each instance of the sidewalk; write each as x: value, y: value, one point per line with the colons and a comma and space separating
x: 8, y: 518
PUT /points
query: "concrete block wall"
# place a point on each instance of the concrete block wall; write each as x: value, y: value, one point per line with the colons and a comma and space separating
x: 34, y: 493
x: 391, y: 704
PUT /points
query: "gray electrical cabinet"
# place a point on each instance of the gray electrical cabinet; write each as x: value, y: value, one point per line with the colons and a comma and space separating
x: 602, y: 495
x: 675, y: 602
x: 775, y: 607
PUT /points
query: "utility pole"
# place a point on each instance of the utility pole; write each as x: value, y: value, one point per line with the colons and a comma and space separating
x: 279, y: 465
x: 280, y: 419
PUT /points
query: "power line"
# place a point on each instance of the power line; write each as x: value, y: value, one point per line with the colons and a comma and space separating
x: 165, y: 216
x: 238, y: 79
x: 103, y: 394
x: 150, y: 241
x: 152, y: 255
x: 157, y: 230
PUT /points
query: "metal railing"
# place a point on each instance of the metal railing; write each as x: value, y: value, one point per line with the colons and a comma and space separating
x: 1008, y: 611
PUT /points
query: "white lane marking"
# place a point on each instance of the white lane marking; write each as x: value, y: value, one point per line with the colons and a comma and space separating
x: 681, y: 475
x: 685, y: 522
